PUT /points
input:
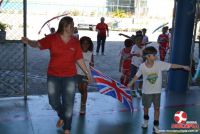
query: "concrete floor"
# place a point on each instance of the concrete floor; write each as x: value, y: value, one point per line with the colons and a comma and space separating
x: 105, y: 115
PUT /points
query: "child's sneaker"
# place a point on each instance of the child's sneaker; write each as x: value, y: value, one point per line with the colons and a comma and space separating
x: 82, y: 109
x: 156, y: 129
x: 145, y: 124
x: 133, y: 93
x: 139, y: 91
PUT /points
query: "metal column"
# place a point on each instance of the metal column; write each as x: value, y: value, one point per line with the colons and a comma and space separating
x: 25, y: 48
x: 181, y: 49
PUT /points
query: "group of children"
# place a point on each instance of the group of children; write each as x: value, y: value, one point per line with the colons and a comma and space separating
x: 131, y: 58
x: 131, y: 54
x: 139, y: 62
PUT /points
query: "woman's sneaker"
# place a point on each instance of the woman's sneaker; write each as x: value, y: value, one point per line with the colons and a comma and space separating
x: 145, y: 124
x: 82, y: 109
x: 59, y: 123
x: 156, y: 129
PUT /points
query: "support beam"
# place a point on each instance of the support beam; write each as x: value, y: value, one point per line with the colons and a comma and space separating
x: 181, y: 49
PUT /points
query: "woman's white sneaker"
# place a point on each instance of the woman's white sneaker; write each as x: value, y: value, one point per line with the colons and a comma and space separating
x: 145, y: 124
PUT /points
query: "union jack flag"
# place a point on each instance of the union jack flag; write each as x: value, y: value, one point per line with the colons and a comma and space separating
x: 108, y: 86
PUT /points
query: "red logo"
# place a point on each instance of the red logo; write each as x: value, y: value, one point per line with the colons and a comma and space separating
x: 180, y: 117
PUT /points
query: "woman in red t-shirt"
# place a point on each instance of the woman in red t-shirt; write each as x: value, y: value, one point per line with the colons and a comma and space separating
x: 65, y: 52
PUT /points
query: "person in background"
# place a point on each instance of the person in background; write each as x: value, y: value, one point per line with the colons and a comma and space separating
x: 76, y: 34
x: 163, y: 40
x: 145, y: 39
x: 151, y: 70
x: 170, y: 33
x: 87, y: 48
x: 170, y: 36
x: 138, y: 33
x: 125, y: 62
x: 65, y: 53
x: 136, y: 60
x: 101, y: 29
x: 52, y: 31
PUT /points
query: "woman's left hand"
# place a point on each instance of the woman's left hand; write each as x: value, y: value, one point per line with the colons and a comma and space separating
x: 89, y: 78
x: 92, y: 64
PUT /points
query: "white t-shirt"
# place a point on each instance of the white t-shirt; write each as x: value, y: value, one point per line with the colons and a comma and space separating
x: 152, y: 77
x: 145, y: 39
x: 136, y: 61
x: 87, y: 56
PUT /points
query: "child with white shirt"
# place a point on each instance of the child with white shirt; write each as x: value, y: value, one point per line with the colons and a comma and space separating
x: 145, y: 39
x: 136, y: 60
x: 151, y: 70
x: 87, y: 48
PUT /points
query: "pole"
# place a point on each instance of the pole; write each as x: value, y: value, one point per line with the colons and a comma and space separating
x: 117, y: 5
x: 25, y: 47
x: 181, y: 46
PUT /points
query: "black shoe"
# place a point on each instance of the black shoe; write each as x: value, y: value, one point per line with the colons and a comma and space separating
x: 133, y: 93
x: 139, y: 91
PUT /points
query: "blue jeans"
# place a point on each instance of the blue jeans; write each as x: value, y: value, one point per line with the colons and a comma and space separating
x: 61, y: 93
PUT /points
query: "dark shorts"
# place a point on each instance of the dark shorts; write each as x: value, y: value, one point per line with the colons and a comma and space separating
x: 148, y: 99
x: 81, y: 79
x: 133, y: 71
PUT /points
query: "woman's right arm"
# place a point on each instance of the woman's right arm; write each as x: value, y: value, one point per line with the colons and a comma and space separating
x: 31, y: 43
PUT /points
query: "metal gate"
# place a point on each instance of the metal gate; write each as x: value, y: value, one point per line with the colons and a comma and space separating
x: 11, y: 52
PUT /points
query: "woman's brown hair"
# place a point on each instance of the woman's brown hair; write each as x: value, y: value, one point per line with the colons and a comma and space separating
x: 65, y: 21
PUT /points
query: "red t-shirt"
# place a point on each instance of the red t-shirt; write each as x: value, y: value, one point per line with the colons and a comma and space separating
x: 127, y: 56
x: 102, y: 27
x: 163, y: 39
x: 63, y: 56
